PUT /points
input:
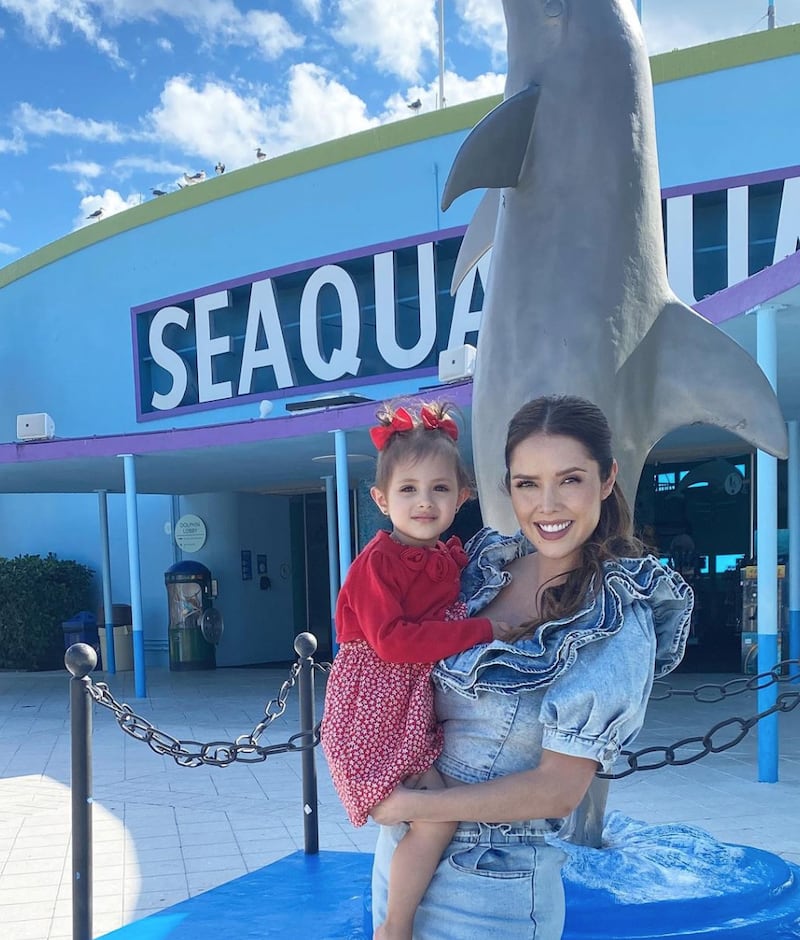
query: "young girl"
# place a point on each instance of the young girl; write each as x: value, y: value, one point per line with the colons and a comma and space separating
x: 395, y: 616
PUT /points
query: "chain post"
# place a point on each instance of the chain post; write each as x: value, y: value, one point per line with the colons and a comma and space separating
x: 305, y: 645
x: 80, y: 659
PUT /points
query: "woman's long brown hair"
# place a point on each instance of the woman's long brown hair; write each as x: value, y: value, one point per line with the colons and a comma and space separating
x: 579, y: 419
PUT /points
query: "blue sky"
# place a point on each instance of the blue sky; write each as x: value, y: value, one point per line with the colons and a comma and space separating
x: 102, y: 101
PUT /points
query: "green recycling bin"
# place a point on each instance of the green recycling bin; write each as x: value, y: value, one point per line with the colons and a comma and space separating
x: 189, y: 597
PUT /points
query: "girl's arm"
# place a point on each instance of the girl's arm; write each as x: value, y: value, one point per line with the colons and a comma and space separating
x: 373, y: 602
x: 550, y: 791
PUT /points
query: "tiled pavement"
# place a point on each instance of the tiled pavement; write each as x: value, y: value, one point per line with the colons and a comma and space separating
x: 163, y: 833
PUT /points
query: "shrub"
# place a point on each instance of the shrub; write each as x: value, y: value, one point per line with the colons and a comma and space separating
x: 36, y: 595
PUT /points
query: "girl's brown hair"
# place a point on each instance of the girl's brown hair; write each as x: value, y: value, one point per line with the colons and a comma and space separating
x: 418, y: 443
x: 579, y: 419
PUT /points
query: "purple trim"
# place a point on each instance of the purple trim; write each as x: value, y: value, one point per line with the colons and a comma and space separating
x: 308, y: 265
x: 731, y: 182
x: 762, y: 287
x: 297, y: 391
x: 344, y: 417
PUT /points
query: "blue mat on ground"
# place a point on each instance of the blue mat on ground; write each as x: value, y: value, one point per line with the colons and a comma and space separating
x: 301, y: 895
x: 647, y: 882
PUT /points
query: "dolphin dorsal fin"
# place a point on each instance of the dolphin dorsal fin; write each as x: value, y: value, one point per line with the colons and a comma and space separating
x: 492, y: 154
x: 478, y: 238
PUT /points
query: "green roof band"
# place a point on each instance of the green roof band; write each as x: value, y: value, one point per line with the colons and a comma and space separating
x: 666, y: 67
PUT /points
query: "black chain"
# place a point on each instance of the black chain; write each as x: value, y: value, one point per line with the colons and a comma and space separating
x: 723, y: 735
x: 245, y: 749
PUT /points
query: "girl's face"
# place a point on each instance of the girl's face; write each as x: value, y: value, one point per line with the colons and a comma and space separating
x: 556, y: 492
x: 422, y: 499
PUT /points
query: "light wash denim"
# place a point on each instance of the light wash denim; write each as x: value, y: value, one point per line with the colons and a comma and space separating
x: 578, y: 686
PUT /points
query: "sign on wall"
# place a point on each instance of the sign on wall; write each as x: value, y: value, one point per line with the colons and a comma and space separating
x: 389, y: 310
x: 190, y: 533
x: 356, y: 317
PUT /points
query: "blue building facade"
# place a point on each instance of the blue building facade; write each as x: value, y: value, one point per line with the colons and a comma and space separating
x: 223, y: 334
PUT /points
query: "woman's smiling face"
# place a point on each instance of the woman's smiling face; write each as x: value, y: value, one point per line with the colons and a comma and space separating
x: 556, y: 492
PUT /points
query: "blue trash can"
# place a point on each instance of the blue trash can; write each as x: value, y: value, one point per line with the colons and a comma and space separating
x: 82, y: 628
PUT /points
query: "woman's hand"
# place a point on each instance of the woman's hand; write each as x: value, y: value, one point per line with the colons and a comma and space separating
x: 394, y: 809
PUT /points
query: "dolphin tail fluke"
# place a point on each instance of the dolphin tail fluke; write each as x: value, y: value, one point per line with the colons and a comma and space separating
x: 478, y: 238
x: 491, y: 156
x: 697, y: 374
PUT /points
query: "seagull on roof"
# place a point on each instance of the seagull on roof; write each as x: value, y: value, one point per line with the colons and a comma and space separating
x: 195, y: 177
x: 260, y: 155
x: 415, y: 105
x: 219, y: 169
x: 158, y: 192
x: 96, y: 214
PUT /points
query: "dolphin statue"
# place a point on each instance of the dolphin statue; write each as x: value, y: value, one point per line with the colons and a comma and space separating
x: 577, y: 300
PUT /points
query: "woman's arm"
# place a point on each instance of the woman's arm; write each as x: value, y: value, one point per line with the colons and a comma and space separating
x: 551, y: 790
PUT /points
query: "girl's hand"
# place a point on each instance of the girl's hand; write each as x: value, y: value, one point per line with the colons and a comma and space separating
x: 503, y: 631
x: 394, y: 809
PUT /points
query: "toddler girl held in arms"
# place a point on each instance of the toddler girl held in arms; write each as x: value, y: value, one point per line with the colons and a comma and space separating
x: 397, y: 613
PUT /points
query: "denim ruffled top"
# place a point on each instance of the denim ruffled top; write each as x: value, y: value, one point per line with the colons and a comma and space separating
x: 640, y: 588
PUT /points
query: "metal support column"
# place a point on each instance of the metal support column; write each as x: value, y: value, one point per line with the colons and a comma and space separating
x: 80, y: 660
x: 343, y: 503
x: 110, y: 663
x: 132, y: 518
x: 794, y: 548
x: 333, y: 551
x: 305, y: 645
x: 767, y: 558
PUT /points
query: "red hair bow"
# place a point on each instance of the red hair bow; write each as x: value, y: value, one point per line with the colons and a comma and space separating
x: 433, y: 422
x: 401, y: 421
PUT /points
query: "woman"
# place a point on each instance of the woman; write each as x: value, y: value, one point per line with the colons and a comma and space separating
x: 528, y: 724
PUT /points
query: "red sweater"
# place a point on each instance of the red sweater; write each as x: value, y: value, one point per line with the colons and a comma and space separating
x: 395, y: 596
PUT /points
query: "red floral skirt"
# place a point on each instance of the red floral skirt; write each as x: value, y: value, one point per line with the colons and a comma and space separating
x: 378, y: 726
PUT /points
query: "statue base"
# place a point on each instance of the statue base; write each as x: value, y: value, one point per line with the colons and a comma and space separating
x: 676, y: 881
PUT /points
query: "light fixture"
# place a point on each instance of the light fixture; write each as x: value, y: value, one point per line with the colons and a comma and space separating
x: 327, y: 401
x: 323, y: 458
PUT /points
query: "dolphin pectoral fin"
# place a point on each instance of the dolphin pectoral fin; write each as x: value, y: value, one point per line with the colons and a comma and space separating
x: 491, y: 156
x: 693, y: 373
x: 478, y: 238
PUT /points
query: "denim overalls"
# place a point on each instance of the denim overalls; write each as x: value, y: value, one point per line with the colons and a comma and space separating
x: 578, y: 686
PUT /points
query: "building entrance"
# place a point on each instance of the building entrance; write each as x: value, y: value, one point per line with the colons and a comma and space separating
x: 697, y: 516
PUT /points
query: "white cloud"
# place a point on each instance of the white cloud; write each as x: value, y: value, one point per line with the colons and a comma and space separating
x: 456, y: 91
x: 396, y: 37
x: 214, y: 21
x: 85, y: 168
x: 215, y: 122
x: 164, y: 44
x: 111, y: 202
x: 45, y: 20
x: 212, y: 122
x: 126, y: 166
x: 318, y: 108
x: 311, y: 7
x: 678, y: 24
x: 270, y: 32
x: 5, y: 248
x: 43, y: 123
x: 14, y: 144
x: 483, y: 24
